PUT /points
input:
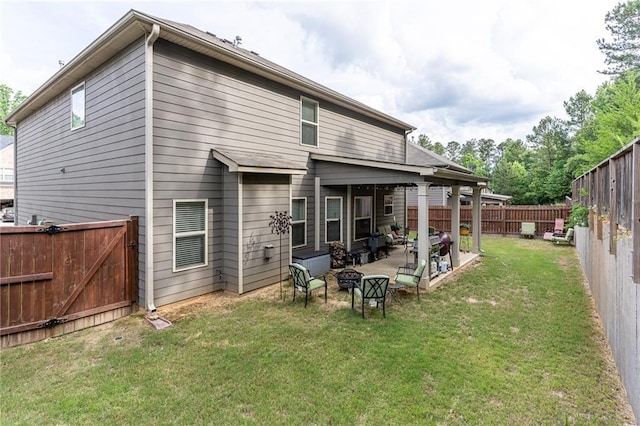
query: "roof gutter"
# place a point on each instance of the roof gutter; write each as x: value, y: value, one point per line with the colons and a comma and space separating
x: 455, y: 175
x: 149, y: 297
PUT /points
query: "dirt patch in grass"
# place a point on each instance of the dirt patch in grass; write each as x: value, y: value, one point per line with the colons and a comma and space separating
x: 220, y: 300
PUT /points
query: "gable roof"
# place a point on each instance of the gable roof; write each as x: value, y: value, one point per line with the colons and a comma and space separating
x: 421, y: 156
x: 5, y: 141
x: 135, y: 25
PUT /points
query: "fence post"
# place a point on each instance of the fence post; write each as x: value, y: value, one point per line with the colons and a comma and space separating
x: 132, y: 258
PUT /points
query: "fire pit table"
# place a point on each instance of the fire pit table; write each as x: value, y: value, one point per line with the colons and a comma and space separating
x: 347, y: 278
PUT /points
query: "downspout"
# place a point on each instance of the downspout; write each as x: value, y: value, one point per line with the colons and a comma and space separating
x: 148, y: 166
x: 316, y: 245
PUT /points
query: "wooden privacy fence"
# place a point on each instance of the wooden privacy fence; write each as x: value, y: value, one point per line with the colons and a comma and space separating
x: 58, y: 279
x: 609, y: 252
x: 501, y: 220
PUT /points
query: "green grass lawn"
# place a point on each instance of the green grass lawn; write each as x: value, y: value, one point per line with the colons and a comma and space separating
x: 510, y: 341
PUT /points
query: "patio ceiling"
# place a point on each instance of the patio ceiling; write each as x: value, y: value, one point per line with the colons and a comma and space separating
x: 334, y: 170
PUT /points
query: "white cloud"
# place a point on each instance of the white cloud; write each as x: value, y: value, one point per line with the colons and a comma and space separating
x: 455, y: 70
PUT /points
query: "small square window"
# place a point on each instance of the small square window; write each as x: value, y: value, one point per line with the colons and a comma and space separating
x: 77, y: 107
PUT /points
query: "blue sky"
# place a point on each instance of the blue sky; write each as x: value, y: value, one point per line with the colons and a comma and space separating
x: 456, y: 70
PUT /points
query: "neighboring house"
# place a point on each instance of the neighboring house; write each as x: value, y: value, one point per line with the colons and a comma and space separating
x: 204, y: 141
x: 6, y: 171
x: 487, y: 198
x: 441, y: 196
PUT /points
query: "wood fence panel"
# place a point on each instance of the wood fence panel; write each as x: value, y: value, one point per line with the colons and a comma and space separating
x: 609, y: 251
x: 66, y: 278
x: 498, y: 220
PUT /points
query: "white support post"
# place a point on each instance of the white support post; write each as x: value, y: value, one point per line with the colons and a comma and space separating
x: 316, y: 245
x: 455, y: 226
x: 423, y: 229
x: 349, y: 219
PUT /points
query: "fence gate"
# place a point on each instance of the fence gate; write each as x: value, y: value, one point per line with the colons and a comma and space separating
x: 58, y: 279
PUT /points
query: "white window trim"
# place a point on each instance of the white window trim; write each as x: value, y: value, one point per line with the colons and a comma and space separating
x: 300, y: 221
x: 304, y: 98
x: 6, y: 174
x: 187, y: 234
x: 84, y: 94
x: 355, y: 218
x: 384, y: 205
x: 327, y: 220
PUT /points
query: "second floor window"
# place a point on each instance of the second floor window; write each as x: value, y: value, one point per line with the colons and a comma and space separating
x: 77, y: 107
x: 309, y: 122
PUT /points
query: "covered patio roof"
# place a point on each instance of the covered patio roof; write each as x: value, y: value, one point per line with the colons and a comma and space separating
x: 257, y: 162
x: 336, y: 170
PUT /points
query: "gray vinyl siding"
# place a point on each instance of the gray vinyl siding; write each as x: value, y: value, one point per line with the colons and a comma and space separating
x: 398, y: 207
x: 437, y: 196
x: 226, y: 107
x: 185, y: 170
x: 216, y: 104
x: 202, y: 104
x: 103, y: 161
x: 263, y: 195
x: 341, y: 174
x: 230, y: 248
x: 345, y: 134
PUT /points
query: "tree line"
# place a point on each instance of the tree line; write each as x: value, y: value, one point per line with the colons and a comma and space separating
x: 540, y: 169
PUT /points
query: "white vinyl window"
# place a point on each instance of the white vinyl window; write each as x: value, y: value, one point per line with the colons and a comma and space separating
x: 6, y: 175
x: 309, y: 122
x: 190, y: 231
x: 362, y: 216
x: 298, y: 222
x: 388, y: 205
x: 333, y: 219
x: 77, y: 107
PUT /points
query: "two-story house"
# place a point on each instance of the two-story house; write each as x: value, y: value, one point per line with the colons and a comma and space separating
x: 204, y: 141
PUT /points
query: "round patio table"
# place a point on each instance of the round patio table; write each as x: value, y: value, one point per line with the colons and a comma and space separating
x: 393, y: 288
x: 347, y: 278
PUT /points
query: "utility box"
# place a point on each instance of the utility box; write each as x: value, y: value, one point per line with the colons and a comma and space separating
x: 316, y: 262
x: 269, y: 250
